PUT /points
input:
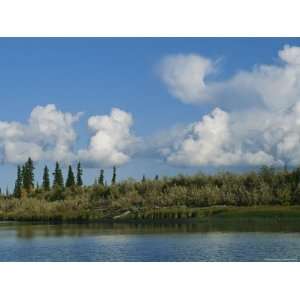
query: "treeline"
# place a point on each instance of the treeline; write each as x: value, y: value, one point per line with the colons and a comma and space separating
x: 26, y: 186
x: 268, y: 186
x: 25, y: 182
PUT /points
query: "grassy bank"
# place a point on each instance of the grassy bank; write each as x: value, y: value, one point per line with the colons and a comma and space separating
x: 218, y: 212
x: 81, y: 211
x: 268, y: 193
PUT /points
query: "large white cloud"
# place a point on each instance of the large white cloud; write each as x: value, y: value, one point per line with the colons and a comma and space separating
x: 48, y: 135
x: 248, y: 137
x: 271, y: 86
x: 185, y: 76
x: 215, y: 140
x: 258, y: 119
x: 112, y: 141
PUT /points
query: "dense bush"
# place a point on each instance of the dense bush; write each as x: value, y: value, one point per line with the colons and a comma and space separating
x: 147, y: 199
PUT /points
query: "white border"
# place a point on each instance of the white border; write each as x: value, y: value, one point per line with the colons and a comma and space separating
x: 149, y: 18
x: 149, y: 281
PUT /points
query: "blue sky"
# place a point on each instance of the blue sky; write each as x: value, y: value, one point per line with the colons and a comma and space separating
x: 92, y: 75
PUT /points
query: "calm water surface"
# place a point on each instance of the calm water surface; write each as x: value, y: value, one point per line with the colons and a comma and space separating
x: 217, y: 241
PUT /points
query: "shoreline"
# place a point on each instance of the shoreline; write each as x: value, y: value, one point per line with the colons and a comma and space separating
x: 171, y: 215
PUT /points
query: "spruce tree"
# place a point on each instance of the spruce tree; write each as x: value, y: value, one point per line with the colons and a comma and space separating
x: 70, y: 179
x: 23, y: 172
x: 58, y: 181
x: 28, y: 175
x: 114, y: 175
x: 101, y: 177
x: 18, y: 184
x: 79, y: 175
x: 46, y: 179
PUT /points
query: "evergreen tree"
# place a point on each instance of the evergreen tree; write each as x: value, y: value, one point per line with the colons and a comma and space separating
x: 156, y: 177
x: 114, y: 175
x: 101, y: 177
x: 70, y: 179
x: 79, y: 175
x: 28, y: 175
x: 46, y: 179
x: 18, y: 184
x: 144, y: 178
x: 23, y: 171
x: 58, y: 181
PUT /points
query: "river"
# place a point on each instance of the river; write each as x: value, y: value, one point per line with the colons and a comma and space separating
x: 208, y: 241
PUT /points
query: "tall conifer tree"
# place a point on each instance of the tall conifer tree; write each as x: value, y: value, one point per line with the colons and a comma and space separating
x: 58, y: 181
x: 46, y: 179
x: 101, y: 177
x: 70, y: 179
x: 28, y: 175
x: 18, y: 184
x: 114, y: 175
x: 79, y: 175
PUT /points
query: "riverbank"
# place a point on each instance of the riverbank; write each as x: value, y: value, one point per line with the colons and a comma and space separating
x: 63, y: 213
x: 216, y: 212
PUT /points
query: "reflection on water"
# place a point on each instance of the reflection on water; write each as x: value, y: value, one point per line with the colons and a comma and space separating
x: 28, y: 231
x: 214, y: 240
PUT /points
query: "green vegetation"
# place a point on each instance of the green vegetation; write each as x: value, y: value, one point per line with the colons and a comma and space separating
x: 79, y: 181
x: 101, y: 178
x: 270, y: 192
x: 46, y: 180
x: 114, y: 176
x: 58, y: 182
x: 70, y: 179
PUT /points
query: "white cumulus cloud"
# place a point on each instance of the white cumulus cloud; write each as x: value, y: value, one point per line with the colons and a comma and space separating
x: 257, y: 119
x: 112, y: 140
x: 185, y: 76
x: 214, y: 141
x: 249, y: 137
x: 274, y: 86
x: 48, y: 135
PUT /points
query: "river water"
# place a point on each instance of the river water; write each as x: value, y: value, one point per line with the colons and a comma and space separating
x: 208, y: 241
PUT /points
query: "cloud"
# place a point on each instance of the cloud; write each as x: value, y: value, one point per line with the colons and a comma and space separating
x: 215, y: 141
x: 112, y: 141
x: 185, y: 76
x: 256, y: 120
x: 250, y: 137
x: 257, y: 116
x: 48, y: 135
x: 289, y: 54
x: 274, y: 86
